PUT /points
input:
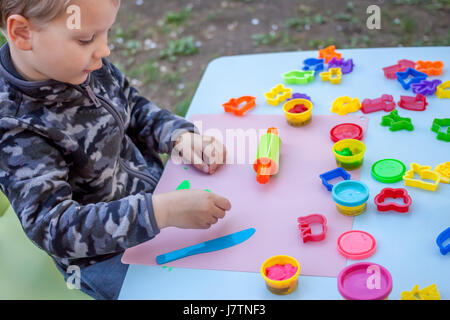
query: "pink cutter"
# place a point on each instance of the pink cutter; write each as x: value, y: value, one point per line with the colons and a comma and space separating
x: 385, y: 102
x: 391, y: 71
x: 393, y: 193
x: 305, y: 229
x: 417, y: 103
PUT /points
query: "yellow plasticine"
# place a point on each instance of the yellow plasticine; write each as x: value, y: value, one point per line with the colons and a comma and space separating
x: 442, y: 90
x: 425, y: 172
x: 444, y: 170
x: 278, y: 94
x: 428, y: 293
x: 344, y: 105
x: 334, y: 75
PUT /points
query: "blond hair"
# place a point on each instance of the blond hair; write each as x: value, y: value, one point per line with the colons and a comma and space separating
x: 40, y: 10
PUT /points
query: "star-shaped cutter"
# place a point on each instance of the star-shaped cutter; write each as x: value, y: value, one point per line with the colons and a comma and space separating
x: 298, y: 77
x: 417, y: 76
x: 278, y: 94
x: 396, y: 123
x: 436, y: 127
x: 428, y: 293
x: 394, y: 194
x: 424, y: 172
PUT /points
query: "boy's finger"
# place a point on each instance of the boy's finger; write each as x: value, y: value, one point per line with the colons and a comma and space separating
x: 222, y: 203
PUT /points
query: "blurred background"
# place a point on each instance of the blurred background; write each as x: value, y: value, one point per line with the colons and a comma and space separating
x: 164, y: 48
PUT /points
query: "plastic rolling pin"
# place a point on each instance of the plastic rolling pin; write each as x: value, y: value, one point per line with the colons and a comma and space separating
x: 268, y: 156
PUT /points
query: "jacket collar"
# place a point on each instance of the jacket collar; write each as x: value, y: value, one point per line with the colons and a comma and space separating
x: 39, y: 90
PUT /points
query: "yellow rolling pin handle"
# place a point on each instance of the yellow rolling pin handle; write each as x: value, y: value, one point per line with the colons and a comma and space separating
x: 268, y: 156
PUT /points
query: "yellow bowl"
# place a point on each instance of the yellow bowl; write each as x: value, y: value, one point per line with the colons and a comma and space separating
x: 349, y: 162
x: 298, y: 119
x: 281, y: 287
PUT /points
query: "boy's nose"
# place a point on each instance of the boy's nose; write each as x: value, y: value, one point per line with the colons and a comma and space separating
x: 102, y: 52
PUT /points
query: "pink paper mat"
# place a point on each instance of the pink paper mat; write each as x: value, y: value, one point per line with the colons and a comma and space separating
x: 272, y: 209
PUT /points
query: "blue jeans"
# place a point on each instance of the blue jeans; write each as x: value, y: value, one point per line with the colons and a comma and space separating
x: 103, y: 280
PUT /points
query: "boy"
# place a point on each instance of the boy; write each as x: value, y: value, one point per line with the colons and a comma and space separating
x: 79, y: 146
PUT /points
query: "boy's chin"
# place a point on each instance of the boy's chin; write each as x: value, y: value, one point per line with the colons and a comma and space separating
x: 77, y: 81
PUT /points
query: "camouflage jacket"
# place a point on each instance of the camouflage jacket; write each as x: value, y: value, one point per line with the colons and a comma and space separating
x: 79, y: 163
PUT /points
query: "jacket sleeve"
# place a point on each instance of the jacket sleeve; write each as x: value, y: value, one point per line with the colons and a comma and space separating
x: 157, y: 128
x: 34, y: 177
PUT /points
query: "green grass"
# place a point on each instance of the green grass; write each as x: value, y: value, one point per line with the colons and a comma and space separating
x: 178, y: 17
x: 179, y: 47
x: 2, y: 39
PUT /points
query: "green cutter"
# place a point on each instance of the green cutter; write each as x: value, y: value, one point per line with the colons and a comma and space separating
x: 298, y: 77
x: 436, y: 127
x: 396, y: 123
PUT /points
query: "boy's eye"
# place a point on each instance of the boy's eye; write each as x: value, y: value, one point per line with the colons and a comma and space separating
x: 86, y: 42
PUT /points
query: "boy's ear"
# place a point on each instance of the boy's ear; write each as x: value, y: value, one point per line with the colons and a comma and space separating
x: 19, y: 31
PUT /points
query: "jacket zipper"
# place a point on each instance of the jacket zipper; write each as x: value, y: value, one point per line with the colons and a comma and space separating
x: 96, y: 99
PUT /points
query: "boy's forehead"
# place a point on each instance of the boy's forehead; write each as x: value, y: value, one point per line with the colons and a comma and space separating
x: 94, y: 16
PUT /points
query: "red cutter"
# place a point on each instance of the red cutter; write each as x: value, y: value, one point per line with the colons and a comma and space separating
x: 233, y: 105
x: 417, y: 103
x: 402, y: 65
x: 393, y: 193
x: 385, y: 102
x: 305, y: 229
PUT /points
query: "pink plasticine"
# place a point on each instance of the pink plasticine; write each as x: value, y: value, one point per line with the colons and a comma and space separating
x: 280, y: 272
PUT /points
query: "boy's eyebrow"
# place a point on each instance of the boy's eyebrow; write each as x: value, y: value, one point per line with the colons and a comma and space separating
x: 81, y: 32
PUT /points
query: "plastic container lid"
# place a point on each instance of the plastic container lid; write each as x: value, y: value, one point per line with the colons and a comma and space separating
x: 356, y: 244
x: 346, y: 131
x: 364, y: 281
x: 388, y: 170
x: 350, y: 193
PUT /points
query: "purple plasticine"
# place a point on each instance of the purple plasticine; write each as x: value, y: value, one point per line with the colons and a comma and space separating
x: 299, y: 96
x: 425, y: 87
x: 345, y: 65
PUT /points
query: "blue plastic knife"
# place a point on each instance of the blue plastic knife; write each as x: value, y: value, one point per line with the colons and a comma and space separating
x: 208, y: 246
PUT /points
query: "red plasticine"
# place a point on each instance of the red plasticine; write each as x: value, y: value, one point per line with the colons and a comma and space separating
x: 393, y: 193
x: 417, y: 103
x: 280, y: 272
x: 385, y: 102
x: 298, y: 108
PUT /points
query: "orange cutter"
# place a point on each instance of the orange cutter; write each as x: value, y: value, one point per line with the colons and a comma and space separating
x: 233, y: 105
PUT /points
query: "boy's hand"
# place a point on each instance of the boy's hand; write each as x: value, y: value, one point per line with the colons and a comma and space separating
x: 189, y: 209
x: 203, y: 152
